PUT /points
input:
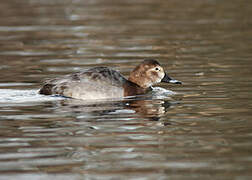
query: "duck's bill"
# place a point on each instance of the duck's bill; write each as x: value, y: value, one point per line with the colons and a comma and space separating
x: 167, y: 79
x: 174, y: 81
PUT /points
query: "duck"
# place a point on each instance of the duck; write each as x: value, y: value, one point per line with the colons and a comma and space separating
x: 106, y: 83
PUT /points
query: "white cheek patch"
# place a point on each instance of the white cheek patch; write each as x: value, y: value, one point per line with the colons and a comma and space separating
x: 161, y: 76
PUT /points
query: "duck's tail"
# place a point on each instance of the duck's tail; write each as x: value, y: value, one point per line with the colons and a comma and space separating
x: 46, y: 89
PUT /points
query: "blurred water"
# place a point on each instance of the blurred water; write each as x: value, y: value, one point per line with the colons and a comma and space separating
x: 203, y: 131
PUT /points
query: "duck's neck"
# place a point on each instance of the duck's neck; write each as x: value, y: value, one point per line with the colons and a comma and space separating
x: 132, y: 89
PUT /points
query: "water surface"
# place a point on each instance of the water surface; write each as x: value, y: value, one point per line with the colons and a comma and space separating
x: 202, y: 132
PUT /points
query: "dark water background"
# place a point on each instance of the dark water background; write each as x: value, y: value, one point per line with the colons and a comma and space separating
x: 204, y: 132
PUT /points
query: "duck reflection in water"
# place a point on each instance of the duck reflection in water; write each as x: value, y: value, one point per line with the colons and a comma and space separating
x: 145, y: 107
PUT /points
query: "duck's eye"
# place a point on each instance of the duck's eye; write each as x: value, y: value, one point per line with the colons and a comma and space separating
x: 157, y: 69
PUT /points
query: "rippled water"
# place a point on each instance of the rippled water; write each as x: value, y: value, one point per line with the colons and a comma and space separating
x: 204, y: 131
